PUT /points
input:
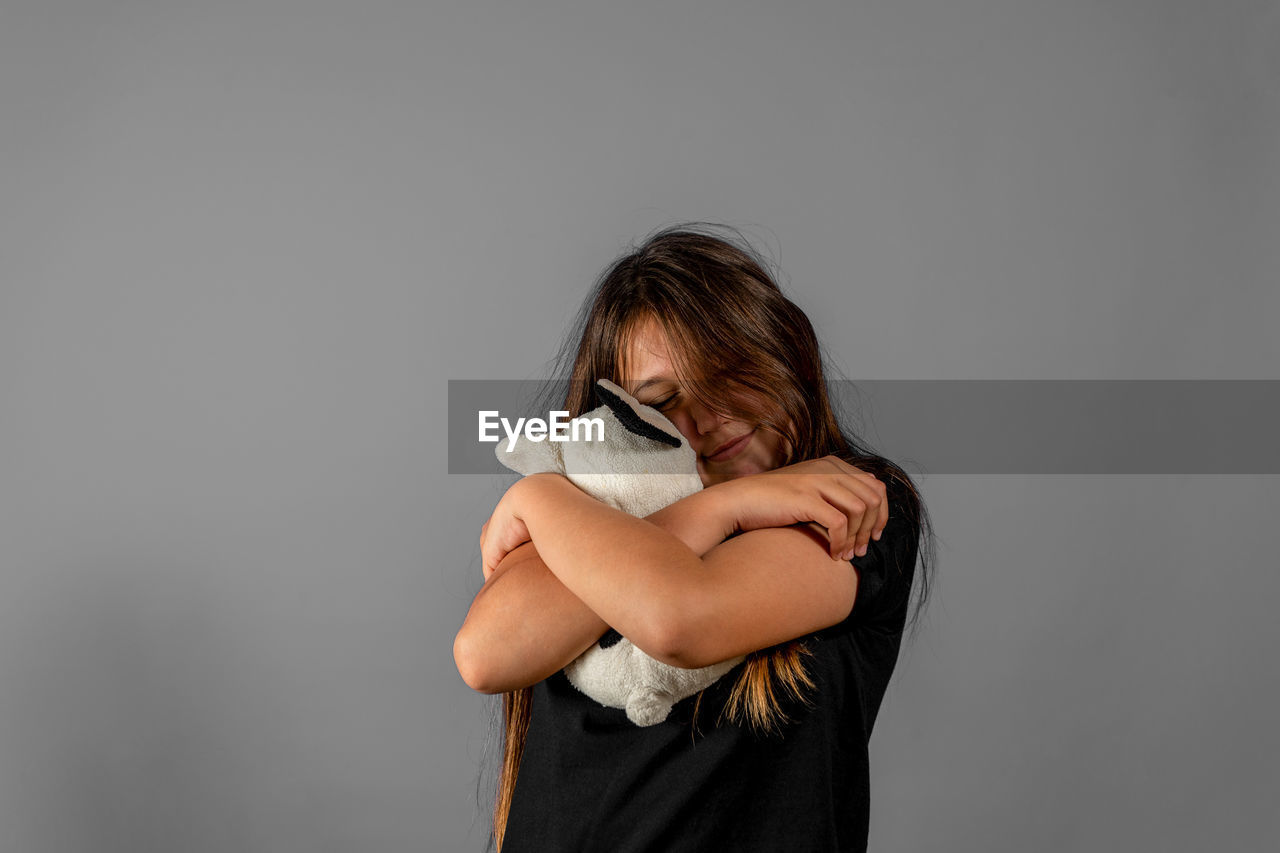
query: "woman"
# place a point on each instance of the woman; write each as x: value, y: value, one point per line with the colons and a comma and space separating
x: 693, y: 325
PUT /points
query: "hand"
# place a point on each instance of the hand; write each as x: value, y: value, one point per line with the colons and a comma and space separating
x: 503, y: 532
x: 851, y: 504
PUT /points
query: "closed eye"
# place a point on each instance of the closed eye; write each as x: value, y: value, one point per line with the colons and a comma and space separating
x: 660, y: 404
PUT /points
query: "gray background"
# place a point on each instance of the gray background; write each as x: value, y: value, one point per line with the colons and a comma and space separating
x: 243, y: 247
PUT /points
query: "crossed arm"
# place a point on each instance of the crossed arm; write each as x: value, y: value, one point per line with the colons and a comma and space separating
x: 671, y: 583
x: 525, y: 624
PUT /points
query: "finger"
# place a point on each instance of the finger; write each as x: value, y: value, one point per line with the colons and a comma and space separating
x: 491, y: 555
x: 492, y: 562
x: 880, y: 518
x: 855, y: 509
x: 862, y: 503
x: 836, y: 492
x: 883, y: 520
x: 870, y: 518
x: 836, y: 523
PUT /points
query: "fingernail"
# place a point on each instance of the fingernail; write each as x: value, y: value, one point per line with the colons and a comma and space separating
x: 876, y: 535
x: 862, y: 550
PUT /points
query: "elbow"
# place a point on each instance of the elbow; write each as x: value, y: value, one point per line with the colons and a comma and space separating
x: 679, y: 655
x: 670, y: 640
x: 670, y: 628
x: 471, y: 665
x: 690, y: 633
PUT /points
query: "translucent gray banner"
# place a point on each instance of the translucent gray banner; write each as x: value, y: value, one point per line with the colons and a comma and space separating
x: 1216, y: 426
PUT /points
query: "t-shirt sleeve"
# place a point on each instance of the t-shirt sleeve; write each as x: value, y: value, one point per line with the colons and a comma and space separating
x: 885, y: 575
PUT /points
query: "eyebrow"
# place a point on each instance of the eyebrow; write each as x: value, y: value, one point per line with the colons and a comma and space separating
x: 649, y: 382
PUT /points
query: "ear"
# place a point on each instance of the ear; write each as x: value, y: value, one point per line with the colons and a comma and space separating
x: 638, y: 418
x: 530, y: 457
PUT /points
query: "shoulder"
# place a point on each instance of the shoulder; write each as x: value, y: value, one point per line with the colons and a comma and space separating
x: 887, y: 571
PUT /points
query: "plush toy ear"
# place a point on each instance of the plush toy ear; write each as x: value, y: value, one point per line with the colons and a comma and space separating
x: 530, y: 457
x: 636, y: 416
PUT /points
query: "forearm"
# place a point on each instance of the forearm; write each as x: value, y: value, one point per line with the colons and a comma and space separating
x: 525, y: 624
x: 701, y: 521
x: 632, y: 572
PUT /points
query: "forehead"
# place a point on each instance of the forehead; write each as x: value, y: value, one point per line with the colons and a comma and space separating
x: 645, y: 353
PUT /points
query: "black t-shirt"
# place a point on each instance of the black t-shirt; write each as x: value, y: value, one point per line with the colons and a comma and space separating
x: 591, y: 780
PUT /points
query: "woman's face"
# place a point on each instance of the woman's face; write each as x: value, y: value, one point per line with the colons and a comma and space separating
x: 726, y: 448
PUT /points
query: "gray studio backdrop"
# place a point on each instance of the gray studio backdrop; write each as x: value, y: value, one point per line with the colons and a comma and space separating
x: 245, y: 246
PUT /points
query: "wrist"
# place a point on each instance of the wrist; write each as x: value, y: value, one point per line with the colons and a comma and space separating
x: 719, y: 505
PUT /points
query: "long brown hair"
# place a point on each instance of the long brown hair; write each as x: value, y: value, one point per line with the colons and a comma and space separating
x: 742, y: 348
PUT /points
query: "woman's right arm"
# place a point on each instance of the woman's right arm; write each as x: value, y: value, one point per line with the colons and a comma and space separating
x: 525, y: 625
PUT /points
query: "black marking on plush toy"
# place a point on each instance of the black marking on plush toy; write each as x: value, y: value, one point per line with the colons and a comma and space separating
x: 610, y: 638
x: 632, y: 421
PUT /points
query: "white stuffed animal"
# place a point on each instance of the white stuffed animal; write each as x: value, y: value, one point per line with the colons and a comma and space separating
x: 643, y: 464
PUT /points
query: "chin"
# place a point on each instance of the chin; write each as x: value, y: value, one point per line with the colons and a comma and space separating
x: 746, y: 468
x: 734, y: 469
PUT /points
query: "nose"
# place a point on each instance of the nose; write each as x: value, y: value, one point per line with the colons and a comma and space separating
x: 704, y: 420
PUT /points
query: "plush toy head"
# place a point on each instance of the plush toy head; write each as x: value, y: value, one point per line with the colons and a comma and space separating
x: 642, y: 464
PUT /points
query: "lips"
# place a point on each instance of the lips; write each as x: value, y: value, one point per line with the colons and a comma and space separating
x: 730, y: 448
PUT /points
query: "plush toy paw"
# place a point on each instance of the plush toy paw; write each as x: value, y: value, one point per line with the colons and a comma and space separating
x: 648, y: 708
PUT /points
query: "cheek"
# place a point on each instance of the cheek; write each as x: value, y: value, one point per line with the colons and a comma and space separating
x: 686, y: 428
x: 754, y: 460
x: 682, y: 421
x: 772, y: 450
